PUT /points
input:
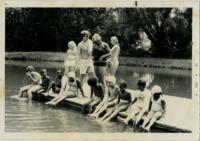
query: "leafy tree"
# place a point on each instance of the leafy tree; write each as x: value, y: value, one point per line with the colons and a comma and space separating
x: 50, y: 29
x: 170, y: 36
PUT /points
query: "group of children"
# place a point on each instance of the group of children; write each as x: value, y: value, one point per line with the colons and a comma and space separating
x: 136, y: 104
x: 97, y: 65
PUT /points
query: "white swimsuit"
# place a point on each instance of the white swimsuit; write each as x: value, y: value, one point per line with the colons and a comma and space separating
x: 71, y: 58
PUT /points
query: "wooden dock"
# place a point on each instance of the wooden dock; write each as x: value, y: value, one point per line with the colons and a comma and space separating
x: 177, y: 117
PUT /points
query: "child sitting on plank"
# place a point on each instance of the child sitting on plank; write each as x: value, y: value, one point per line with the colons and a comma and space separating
x: 113, y: 92
x: 36, y: 80
x: 141, y: 97
x: 96, y: 92
x: 124, y: 102
x: 45, y: 81
x: 157, y: 108
x: 70, y: 89
x: 55, y: 86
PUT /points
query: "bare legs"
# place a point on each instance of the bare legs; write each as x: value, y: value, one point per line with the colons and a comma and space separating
x: 113, y: 113
x: 61, y: 97
x: 102, y: 108
x: 69, y: 69
x: 113, y: 67
x: 100, y: 72
x: 33, y: 89
x: 132, y: 112
x: 24, y: 89
x: 152, y: 117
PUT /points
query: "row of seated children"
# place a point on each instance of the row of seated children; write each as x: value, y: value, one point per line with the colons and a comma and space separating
x: 138, y: 104
x: 141, y: 102
x: 65, y: 86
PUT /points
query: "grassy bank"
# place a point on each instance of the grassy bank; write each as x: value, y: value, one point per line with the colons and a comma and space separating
x: 129, y: 61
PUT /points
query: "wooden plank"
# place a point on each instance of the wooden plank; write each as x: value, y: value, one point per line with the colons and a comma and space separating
x: 178, y: 112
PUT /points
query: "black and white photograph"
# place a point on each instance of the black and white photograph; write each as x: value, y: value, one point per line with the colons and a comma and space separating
x: 99, y: 69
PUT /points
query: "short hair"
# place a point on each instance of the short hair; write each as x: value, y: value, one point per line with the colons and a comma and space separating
x: 92, y: 80
x: 123, y: 84
x: 141, y: 83
x: 43, y: 71
x: 115, y: 39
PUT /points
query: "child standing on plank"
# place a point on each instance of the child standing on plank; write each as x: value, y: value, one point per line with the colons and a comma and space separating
x: 97, y: 92
x: 71, y: 58
x: 35, y: 77
x: 157, y: 108
x: 69, y: 89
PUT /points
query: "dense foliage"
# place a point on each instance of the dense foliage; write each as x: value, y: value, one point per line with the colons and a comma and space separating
x: 49, y: 29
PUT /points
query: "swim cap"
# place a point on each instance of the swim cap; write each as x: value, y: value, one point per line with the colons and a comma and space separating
x: 85, y: 32
x: 156, y: 89
x: 96, y: 37
x: 111, y: 79
x: 30, y: 68
x: 71, y: 75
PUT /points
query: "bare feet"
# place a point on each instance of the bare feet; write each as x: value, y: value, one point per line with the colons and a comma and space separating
x: 53, y: 103
x: 93, y: 116
x: 47, y: 103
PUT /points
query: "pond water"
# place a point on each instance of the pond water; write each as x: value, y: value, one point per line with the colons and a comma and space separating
x: 23, y: 116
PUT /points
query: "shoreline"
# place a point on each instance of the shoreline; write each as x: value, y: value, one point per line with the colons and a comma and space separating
x: 181, y: 64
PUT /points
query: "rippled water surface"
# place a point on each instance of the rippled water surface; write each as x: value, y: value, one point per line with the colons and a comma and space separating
x: 33, y: 116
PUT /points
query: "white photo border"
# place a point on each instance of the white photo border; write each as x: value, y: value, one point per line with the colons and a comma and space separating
x: 105, y: 3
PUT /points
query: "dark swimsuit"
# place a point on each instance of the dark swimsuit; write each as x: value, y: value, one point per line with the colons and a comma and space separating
x: 98, y: 92
x: 56, y: 86
x: 98, y: 51
x: 124, y: 99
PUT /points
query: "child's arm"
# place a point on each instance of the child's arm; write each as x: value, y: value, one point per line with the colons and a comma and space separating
x: 163, y: 104
x: 35, y: 80
x: 147, y: 103
x: 131, y: 101
x: 66, y: 56
x: 77, y: 59
x: 116, y: 92
x: 64, y: 85
x: 91, y: 93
